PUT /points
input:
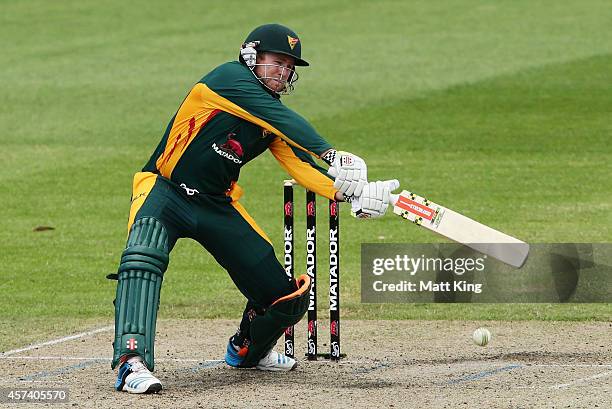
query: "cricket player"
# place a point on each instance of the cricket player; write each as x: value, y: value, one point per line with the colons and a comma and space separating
x: 188, y: 189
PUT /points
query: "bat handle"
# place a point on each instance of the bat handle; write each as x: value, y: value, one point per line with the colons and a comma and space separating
x: 394, y: 198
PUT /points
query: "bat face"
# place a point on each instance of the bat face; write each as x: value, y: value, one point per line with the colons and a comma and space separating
x: 461, y: 229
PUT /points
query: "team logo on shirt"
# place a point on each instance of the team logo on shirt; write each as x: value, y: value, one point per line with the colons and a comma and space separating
x: 292, y: 41
x: 232, y: 149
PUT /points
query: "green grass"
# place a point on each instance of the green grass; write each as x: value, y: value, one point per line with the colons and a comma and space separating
x: 499, y: 110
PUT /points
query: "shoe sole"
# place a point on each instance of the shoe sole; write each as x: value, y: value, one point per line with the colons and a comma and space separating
x: 154, y: 388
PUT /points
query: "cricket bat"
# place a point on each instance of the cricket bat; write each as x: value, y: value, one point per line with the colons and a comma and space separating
x: 460, y: 228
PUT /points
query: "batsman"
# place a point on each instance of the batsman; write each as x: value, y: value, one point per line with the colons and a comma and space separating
x: 188, y: 188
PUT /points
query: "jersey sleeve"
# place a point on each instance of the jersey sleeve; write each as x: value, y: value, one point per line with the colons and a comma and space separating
x: 303, y: 169
x: 233, y: 88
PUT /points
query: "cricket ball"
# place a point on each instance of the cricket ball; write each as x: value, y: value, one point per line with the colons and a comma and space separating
x: 481, y: 336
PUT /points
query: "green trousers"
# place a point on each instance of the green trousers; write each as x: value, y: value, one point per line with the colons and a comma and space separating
x: 225, y: 230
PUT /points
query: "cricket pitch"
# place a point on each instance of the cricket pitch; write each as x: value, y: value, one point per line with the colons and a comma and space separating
x: 388, y: 364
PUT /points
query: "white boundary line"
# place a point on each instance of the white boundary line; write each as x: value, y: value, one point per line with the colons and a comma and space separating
x: 581, y: 380
x: 56, y: 341
x: 54, y: 358
x: 103, y: 359
x: 568, y: 365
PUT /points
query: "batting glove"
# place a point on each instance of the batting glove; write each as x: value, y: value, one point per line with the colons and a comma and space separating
x: 350, y: 173
x: 374, y: 200
x: 249, y: 54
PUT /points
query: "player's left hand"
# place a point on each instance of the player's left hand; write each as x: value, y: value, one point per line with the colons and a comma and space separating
x: 350, y: 173
x: 249, y: 53
x: 374, y: 199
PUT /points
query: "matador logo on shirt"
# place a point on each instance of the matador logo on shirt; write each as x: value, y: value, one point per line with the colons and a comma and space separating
x: 232, y: 149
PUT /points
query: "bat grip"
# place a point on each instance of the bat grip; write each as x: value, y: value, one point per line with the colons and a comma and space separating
x: 394, y: 198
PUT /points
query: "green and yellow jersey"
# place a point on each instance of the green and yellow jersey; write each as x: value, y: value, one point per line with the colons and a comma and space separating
x: 226, y: 120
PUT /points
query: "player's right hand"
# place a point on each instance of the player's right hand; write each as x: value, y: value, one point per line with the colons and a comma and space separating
x: 351, y: 174
x: 374, y: 200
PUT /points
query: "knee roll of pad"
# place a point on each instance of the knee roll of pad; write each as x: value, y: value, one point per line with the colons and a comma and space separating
x: 283, y: 313
x: 140, y: 276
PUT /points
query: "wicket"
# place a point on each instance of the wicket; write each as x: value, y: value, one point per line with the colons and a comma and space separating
x: 311, y: 269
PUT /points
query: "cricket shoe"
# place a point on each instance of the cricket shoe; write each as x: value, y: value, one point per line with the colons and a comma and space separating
x: 134, y: 377
x: 232, y: 357
x: 274, y: 361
